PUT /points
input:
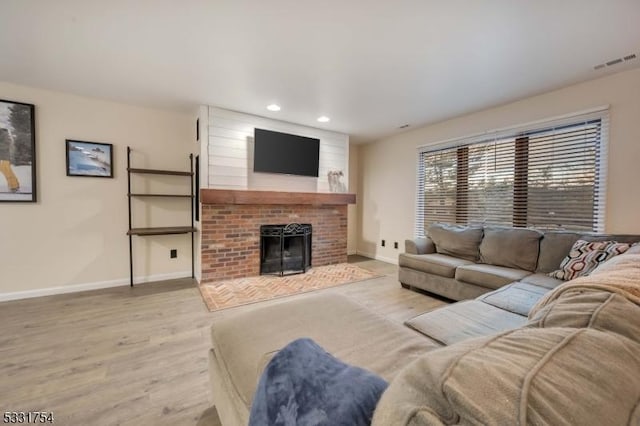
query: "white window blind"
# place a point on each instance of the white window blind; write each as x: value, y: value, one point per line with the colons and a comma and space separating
x: 547, y: 175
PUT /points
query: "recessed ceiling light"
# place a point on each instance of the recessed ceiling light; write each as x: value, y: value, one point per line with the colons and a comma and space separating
x: 323, y: 119
x: 273, y: 107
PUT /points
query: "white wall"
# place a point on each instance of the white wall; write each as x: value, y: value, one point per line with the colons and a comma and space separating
x: 74, y: 237
x: 231, y: 154
x: 388, y: 173
x: 352, y: 209
x: 202, y: 118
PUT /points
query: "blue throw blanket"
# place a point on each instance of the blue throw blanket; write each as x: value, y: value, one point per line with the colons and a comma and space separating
x: 305, y: 385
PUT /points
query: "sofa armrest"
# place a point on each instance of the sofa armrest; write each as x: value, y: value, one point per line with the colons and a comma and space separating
x: 422, y: 245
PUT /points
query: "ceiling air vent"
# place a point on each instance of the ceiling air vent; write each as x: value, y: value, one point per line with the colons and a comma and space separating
x: 615, y: 61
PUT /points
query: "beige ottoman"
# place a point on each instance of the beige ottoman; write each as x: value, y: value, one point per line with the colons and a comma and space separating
x: 244, y: 342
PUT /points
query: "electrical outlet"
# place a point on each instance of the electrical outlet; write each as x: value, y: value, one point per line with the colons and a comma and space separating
x: 383, y: 243
x: 395, y: 245
x: 173, y: 254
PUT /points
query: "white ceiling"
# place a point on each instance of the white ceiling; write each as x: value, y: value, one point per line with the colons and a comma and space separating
x: 371, y: 66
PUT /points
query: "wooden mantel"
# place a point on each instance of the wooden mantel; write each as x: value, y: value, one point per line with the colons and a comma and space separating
x: 227, y: 196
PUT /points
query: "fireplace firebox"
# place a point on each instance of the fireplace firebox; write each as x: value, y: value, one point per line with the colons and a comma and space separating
x: 285, y: 249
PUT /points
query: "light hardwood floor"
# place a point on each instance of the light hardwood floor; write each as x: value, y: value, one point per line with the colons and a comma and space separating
x: 137, y: 356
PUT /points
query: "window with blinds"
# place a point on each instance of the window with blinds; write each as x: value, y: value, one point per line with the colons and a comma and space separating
x: 548, y: 177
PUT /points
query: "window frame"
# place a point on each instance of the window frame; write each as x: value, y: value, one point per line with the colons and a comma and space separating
x: 521, y: 135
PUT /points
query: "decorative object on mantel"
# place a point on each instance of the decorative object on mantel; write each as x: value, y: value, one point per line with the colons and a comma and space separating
x: 17, y: 152
x: 335, y: 185
x: 243, y: 291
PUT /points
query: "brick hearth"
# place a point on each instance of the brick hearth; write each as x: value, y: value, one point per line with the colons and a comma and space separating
x: 231, y: 235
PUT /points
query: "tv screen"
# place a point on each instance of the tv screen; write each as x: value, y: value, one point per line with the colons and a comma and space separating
x: 276, y: 152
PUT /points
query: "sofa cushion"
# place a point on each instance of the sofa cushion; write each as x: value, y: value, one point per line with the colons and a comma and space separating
x: 621, y: 238
x: 464, y: 320
x: 607, y: 301
x: 455, y: 240
x: 554, y: 246
x: 630, y: 259
x: 585, y: 256
x: 419, y: 246
x: 634, y: 249
x: 489, y: 276
x: 511, y: 247
x: 542, y: 280
x: 551, y: 376
x: 443, y: 286
x: 598, y: 309
x: 438, y: 264
x: 518, y: 297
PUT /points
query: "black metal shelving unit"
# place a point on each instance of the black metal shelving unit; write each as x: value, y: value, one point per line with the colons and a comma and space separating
x: 162, y: 230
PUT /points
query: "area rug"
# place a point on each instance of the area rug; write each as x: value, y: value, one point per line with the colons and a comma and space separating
x: 243, y: 291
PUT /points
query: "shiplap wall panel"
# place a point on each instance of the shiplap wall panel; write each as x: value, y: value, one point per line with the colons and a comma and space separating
x: 231, y: 171
x: 335, y: 150
x: 229, y: 133
x: 230, y: 154
x: 230, y: 150
x: 229, y: 181
x: 227, y: 161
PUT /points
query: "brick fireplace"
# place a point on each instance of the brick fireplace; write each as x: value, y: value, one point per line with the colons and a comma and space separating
x: 231, y: 223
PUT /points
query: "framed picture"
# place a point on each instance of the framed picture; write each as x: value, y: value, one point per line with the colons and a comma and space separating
x: 89, y: 159
x: 17, y: 152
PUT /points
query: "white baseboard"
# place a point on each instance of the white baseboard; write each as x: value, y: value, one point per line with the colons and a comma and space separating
x: 50, y: 291
x: 378, y: 257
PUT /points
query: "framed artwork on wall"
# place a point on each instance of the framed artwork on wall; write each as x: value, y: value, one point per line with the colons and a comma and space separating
x: 17, y: 152
x: 89, y: 159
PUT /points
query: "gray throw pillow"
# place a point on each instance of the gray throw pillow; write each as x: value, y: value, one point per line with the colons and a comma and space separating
x: 456, y: 240
x: 510, y: 247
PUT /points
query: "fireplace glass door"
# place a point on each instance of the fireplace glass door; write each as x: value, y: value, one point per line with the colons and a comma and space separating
x: 285, y: 249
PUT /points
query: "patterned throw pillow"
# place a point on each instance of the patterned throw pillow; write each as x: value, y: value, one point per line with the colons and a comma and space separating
x: 585, y: 256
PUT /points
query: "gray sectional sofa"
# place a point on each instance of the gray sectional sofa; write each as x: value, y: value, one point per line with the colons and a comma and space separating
x: 520, y: 350
x: 461, y: 262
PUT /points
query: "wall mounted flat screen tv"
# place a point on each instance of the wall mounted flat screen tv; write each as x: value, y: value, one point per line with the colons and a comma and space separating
x: 276, y: 152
